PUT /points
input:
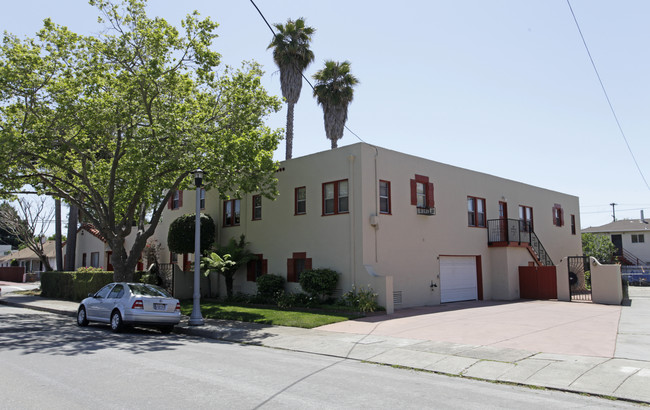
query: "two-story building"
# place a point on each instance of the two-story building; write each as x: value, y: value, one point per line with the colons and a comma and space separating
x: 418, y: 232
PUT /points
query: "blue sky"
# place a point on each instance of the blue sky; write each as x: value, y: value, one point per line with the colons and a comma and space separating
x: 503, y: 87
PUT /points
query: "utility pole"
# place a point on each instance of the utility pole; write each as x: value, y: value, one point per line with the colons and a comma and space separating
x: 613, y: 210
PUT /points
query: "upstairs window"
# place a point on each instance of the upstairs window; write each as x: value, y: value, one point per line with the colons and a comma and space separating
x: 476, y: 212
x: 175, y: 200
x: 558, y: 215
x: 422, y: 194
x: 335, y: 197
x: 573, y: 224
x: 231, y: 212
x: 525, y: 218
x: 638, y: 238
x: 257, y: 207
x: 384, y: 197
x: 300, y: 201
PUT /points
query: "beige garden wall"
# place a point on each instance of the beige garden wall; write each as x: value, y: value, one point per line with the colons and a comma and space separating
x: 606, y: 285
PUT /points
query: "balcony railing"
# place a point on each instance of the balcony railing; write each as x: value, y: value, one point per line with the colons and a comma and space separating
x: 508, y: 231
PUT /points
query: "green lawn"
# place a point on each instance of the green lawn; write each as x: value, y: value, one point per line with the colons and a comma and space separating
x: 269, y: 315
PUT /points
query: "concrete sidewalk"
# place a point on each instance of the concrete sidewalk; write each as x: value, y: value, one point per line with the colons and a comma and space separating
x: 621, y: 370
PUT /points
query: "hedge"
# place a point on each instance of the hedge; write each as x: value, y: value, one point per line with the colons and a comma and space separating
x: 76, y: 286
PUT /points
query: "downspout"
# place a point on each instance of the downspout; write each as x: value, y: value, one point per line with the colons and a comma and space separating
x: 376, y: 205
x: 351, y: 189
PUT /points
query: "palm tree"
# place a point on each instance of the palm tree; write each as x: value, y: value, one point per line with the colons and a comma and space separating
x: 333, y: 91
x: 292, y: 55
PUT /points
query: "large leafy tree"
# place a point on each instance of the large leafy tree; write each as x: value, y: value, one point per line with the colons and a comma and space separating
x: 292, y: 55
x: 599, y: 246
x: 334, y: 91
x: 114, y: 123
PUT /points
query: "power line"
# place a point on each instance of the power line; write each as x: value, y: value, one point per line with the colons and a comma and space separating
x: 302, y: 74
x: 602, y: 86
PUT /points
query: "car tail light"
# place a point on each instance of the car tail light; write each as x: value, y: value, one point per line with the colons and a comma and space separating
x: 137, y: 305
x: 178, y: 306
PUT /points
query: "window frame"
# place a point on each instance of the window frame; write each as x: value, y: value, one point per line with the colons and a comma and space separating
x: 256, y: 267
x: 298, y: 201
x: 337, y: 198
x: 387, y: 197
x: 638, y: 238
x: 293, y: 275
x: 234, y: 219
x: 257, y: 216
x: 428, y: 192
x: 573, y: 224
x: 473, y: 215
x: 558, y: 215
x: 526, y: 223
x: 94, y: 259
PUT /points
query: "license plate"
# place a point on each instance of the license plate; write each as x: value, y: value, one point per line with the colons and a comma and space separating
x: 159, y: 306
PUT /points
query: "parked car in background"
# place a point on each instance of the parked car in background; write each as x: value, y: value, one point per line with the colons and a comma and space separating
x: 121, y: 303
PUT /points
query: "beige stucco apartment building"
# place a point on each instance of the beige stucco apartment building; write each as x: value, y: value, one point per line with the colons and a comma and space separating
x: 414, y: 230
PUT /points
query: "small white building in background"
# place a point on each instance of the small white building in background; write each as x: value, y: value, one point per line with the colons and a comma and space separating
x: 418, y: 232
x: 27, y: 258
x: 631, y: 238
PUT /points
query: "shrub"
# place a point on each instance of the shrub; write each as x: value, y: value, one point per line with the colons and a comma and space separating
x: 362, y: 300
x: 269, y: 285
x: 319, y: 282
x: 286, y: 300
x: 89, y: 269
x: 180, y: 237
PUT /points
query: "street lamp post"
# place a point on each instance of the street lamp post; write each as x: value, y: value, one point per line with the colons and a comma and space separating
x: 196, y: 319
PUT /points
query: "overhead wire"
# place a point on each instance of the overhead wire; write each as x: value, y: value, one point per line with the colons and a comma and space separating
x: 609, y: 102
x: 302, y: 74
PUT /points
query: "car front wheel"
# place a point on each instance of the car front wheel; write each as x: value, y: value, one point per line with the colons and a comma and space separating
x: 82, y: 319
x: 116, y: 322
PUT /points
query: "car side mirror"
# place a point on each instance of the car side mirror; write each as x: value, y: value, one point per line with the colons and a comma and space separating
x: 91, y: 295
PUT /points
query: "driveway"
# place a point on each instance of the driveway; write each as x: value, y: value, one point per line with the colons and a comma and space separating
x: 570, y: 328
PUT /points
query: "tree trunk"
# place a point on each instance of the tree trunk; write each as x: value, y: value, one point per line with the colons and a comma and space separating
x: 57, y: 233
x: 289, y: 139
x: 229, y: 283
x: 334, y: 143
x: 71, y: 243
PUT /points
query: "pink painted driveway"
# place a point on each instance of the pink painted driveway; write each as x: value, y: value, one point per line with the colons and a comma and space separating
x: 573, y: 328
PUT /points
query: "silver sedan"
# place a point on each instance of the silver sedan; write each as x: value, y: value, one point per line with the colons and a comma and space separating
x: 122, y: 303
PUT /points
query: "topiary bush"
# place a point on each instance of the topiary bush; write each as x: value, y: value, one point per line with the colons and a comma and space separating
x: 180, y: 238
x: 319, y: 283
x: 268, y: 286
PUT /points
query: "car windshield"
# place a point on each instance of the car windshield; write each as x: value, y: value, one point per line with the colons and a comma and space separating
x: 143, y: 289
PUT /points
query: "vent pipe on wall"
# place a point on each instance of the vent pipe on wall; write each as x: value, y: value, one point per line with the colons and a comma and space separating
x: 643, y: 218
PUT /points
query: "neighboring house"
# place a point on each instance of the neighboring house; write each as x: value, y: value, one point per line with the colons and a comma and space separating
x: 93, y: 250
x: 27, y: 258
x: 417, y: 231
x: 631, y: 238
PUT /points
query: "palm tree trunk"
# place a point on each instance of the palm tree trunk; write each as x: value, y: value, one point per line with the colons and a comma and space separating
x: 334, y: 143
x: 289, y: 140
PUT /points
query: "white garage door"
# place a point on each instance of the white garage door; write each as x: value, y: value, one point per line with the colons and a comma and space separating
x: 457, y: 278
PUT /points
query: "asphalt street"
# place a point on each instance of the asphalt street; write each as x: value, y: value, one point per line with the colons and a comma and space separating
x: 48, y: 362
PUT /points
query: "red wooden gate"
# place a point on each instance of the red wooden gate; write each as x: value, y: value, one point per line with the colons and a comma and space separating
x: 537, y: 282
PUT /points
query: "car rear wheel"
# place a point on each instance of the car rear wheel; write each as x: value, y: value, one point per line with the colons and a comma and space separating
x: 167, y: 329
x: 82, y: 319
x: 116, y: 322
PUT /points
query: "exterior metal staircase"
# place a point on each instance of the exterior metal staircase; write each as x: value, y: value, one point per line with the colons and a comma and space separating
x: 513, y: 232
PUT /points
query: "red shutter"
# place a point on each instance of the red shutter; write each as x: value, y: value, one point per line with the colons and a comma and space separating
x: 250, y: 271
x: 291, y: 274
x: 180, y: 199
x: 562, y: 216
x: 307, y: 263
x: 430, y: 202
x: 414, y: 193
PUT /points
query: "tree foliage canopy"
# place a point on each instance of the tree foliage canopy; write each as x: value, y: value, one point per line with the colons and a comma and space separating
x: 114, y: 123
x: 598, y: 246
